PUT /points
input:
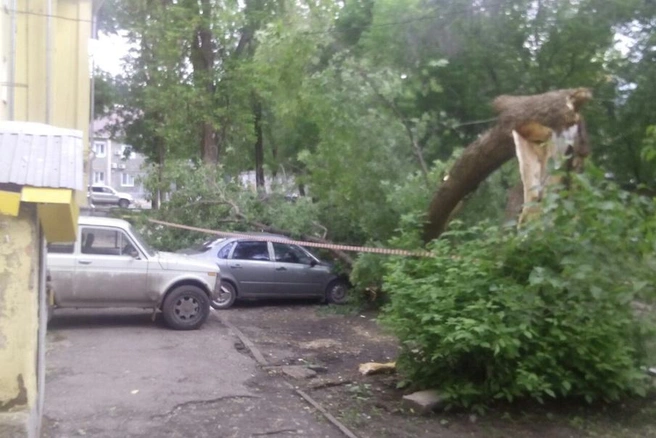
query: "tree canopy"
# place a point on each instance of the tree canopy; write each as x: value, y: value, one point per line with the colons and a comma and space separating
x: 353, y: 99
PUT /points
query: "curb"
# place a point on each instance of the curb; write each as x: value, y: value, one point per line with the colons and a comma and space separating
x: 260, y: 359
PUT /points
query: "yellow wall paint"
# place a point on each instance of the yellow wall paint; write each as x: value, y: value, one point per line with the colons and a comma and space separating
x: 57, y: 210
x: 30, y: 102
x: 57, y: 93
x: 59, y: 221
x: 59, y: 96
x: 71, y: 78
x: 19, y: 306
x: 41, y: 194
x: 5, y: 48
x: 9, y: 203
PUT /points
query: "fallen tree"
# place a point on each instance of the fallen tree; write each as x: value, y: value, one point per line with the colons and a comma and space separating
x: 556, y: 110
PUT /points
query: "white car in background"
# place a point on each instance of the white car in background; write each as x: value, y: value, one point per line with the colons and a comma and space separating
x: 104, y: 195
x: 110, y: 265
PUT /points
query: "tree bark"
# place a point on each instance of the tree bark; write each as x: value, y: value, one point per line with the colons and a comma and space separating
x: 259, y: 145
x: 202, y: 60
x: 556, y: 110
x: 157, y: 196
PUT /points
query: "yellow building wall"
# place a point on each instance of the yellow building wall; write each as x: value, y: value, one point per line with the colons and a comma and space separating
x: 52, y: 60
x: 71, y: 76
x: 19, y: 320
x: 51, y: 81
x: 5, y: 48
x: 51, y: 84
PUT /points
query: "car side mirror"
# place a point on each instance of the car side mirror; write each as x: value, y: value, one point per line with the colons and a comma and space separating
x: 313, y: 263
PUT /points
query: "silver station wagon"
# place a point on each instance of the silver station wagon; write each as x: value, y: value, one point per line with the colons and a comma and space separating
x: 110, y: 265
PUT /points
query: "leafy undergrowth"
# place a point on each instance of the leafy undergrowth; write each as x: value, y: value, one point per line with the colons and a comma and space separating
x: 545, y: 313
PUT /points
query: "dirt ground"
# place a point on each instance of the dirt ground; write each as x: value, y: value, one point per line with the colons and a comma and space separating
x: 306, y: 333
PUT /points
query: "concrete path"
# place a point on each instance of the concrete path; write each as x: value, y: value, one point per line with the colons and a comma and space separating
x: 117, y: 374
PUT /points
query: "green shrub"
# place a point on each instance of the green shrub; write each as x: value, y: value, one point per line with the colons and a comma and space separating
x: 542, y: 312
x: 209, y: 198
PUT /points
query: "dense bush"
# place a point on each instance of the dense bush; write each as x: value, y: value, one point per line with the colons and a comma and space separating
x: 542, y: 312
x: 212, y: 199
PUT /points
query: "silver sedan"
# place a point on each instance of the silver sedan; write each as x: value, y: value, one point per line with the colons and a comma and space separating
x: 252, y: 268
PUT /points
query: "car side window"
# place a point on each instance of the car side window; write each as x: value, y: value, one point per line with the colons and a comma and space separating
x: 61, y: 248
x: 290, y: 254
x: 225, y: 251
x: 105, y: 241
x: 251, y: 251
x: 97, y: 189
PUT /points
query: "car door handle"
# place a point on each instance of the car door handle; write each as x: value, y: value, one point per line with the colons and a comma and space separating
x: 237, y: 266
x: 84, y: 262
x: 281, y: 268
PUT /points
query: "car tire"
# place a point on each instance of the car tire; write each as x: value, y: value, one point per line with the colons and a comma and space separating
x: 337, y: 292
x: 227, y: 298
x: 186, y: 308
x: 123, y: 203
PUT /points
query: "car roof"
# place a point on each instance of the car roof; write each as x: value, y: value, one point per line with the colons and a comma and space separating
x: 249, y: 235
x: 103, y: 221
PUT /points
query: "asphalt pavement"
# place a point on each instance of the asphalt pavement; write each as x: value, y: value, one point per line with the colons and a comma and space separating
x: 115, y: 373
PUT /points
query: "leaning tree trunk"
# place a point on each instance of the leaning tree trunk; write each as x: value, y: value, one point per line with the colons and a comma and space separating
x: 556, y: 110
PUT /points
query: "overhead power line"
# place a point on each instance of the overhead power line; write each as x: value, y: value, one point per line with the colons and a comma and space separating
x: 423, y: 17
x: 42, y: 14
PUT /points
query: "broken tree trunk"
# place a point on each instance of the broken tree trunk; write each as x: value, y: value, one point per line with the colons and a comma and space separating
x: 556, y: 110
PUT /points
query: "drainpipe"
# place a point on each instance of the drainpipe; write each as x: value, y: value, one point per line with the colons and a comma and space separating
x: 95, y: 5
x: 49, y: 38
x: 12, y: 62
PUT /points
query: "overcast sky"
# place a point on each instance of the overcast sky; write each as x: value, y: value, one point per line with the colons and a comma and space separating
x: 108, y: 51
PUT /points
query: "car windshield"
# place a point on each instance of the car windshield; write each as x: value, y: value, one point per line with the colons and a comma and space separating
x: 202, y: 247
x: 151, y: 252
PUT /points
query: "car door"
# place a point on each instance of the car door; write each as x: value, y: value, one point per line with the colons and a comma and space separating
x: 251, y: 266
x: 296, y: 272
x: 110, y: 270
x: 111, y: 195
x: 97, y: 195
x: 100, y: 195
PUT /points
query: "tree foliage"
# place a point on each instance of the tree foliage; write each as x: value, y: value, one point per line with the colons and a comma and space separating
x: 546, y: 312
x: 359, y: 107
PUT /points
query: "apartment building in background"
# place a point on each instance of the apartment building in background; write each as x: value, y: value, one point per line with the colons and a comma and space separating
x: 114, y: 164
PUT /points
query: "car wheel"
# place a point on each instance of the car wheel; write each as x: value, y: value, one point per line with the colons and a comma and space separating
x: 227, y: 296
x: 123, y: 203
x: 186, y: 308
x: 337, y: 292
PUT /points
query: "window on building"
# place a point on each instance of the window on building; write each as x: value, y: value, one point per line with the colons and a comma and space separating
x: 98, y: 177
x: 127, y: 180
x: 126, y: 152
x: 99, y: 148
